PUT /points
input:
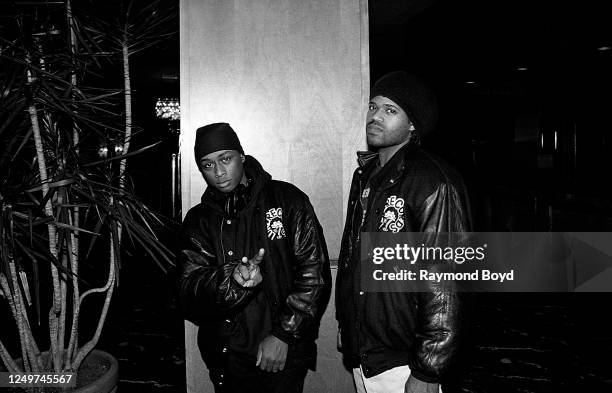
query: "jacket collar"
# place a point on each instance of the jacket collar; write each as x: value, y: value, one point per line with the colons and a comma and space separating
x: 392, y: 170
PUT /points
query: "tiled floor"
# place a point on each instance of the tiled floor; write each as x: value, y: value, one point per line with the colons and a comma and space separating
x: 145, y: 333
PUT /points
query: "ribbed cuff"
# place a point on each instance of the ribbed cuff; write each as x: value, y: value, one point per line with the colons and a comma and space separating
x: 282, y: 335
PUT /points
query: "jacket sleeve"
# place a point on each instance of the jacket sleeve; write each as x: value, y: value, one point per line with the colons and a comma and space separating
x: 311, y: 286
x: 440, y: 310
x: 206, y: 288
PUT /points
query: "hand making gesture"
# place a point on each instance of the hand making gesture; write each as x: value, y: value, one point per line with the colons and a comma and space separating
x: 247, y: 272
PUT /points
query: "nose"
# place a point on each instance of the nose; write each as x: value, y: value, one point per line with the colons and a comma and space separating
x: 219, y: 171
x: 377, y: 116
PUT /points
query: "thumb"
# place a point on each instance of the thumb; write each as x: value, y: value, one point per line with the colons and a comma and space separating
x: 259, y: 257
x: 259, y: 353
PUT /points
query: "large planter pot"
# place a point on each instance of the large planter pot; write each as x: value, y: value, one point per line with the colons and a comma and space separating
x: 98, y: 373
x: 102, y: 369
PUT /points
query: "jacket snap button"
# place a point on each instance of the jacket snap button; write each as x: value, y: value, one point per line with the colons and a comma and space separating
x: 224, y: 350
x: 230, y: 253
x: 228, y: 222
x: 360, y: 171
x: 361, y: 293
x: 228, y: 321
x: 391, y: 181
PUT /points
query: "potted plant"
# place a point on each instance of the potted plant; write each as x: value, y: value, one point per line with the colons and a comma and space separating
x: 67, y: 205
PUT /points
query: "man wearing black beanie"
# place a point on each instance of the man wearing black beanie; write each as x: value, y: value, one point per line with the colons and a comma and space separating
x: 255, y: 271
x: 403, y: 341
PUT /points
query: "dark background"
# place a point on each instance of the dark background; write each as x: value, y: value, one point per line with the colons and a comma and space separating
x: 494, y: 117
x: 509, y: 75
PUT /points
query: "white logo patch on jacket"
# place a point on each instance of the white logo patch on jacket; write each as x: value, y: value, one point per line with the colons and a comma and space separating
x: 393, y: 215
x: 274, y: 223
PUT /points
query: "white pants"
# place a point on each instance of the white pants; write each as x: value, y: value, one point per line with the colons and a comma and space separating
x: 390, y: 381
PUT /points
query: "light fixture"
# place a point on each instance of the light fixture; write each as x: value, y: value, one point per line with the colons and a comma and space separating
x: 522, y: 68
x: 168, y: 108
x: 604, y: 48
x: 470, y: 82
x: 103, y: 150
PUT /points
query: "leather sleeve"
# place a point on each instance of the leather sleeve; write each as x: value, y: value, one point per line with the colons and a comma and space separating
x: 311, y: 286
x: 206, y: 289
x: 440, y: 316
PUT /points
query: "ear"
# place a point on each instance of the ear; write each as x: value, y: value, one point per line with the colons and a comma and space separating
x: 411, y: 127
x: 242, y: 158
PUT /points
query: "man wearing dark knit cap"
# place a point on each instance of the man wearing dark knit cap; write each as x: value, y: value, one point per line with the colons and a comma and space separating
x: 399, y: 342
x: 255, y: 271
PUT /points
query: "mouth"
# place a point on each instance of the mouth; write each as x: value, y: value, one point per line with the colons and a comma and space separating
x: 373, y: 128
x: 223, y: 183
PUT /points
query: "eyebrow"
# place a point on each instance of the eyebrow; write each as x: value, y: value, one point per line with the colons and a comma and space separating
x: 385, y: 105
x: 222, y: 156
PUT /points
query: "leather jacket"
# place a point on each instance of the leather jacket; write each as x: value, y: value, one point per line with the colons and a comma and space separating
x: 279, y: 218
x: 414, y: 192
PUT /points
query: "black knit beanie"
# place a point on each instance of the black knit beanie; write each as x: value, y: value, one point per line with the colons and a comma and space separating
x: 413, y: 96
x: 215, y: 137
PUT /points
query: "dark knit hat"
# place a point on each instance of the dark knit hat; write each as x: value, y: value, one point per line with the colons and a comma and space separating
x: 215, y: 137
x: 413, y: 96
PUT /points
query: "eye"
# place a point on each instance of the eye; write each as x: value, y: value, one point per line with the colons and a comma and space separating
x: 372, y: 107
x: 207, y: 165
x: 391, y: 111
x: 226, y: 159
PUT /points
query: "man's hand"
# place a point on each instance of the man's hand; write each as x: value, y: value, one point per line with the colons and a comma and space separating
x: 414, y: 385
x: 272, y: 354
x: 247, y: 272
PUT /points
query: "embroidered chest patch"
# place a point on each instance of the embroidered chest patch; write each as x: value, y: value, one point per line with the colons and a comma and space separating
x: 274, y: 223
x: 393, y: 215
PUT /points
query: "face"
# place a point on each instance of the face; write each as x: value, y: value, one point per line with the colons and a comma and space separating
x: 223, y: 169
x: 386, y: 123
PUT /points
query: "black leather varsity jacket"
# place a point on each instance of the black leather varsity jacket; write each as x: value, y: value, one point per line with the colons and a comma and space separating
x: 296, y: 277
x: 414, y: 192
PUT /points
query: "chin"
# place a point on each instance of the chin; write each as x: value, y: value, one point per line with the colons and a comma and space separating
x: 375, y: 145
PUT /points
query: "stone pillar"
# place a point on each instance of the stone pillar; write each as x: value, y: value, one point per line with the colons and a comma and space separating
x: 292, y: 78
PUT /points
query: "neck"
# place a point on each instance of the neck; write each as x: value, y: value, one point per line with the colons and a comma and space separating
x: 385, y: 153
x: 243, y: 181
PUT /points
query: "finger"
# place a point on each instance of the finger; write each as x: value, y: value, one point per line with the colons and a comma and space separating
x: 244, y: 261
x: 275, y: 367
x: 259, y: 257
x: 264, y: 363
x: 281, y: 366
x: 238, y: 277
x: 244, y: 272
x: 258, y: 356
x: 254, y: 272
